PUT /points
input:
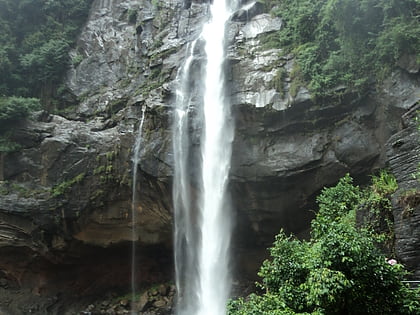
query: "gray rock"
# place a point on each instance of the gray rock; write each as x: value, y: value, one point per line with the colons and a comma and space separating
x: 409, y: 63
x: 259, y: 24
x: 159, y: 303
x: 401, y: 90
x: 403, y: 152
x: 143, y: 302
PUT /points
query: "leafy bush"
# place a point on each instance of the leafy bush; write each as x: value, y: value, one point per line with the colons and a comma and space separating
x: 335, y: 204
x: 13, y: 109
x: 377, y: 208
x: 46, y: 64
x: 339, y: 271
x: 268, y: 304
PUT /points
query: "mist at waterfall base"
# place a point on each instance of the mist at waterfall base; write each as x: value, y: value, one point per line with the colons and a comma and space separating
x: 202, y: 224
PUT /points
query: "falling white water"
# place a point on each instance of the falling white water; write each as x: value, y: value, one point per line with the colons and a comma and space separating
x: 216, y: 154
x: 202, y: 223
x: 184, y: 236
x: 136, y: 160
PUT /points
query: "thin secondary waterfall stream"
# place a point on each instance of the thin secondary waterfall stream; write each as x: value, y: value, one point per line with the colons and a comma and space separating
x: 203, y: 228
x: 136, y: 160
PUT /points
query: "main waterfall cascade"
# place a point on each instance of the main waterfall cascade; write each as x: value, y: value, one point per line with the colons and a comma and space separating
x: 136, y: 160
x: 202, y: 228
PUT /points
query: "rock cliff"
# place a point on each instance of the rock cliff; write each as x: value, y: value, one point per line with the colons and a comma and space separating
x: 67, y: 194
x: 404, y: 158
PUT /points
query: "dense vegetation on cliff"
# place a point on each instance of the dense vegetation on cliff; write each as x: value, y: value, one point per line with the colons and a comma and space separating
x: 35, y: 40
x: 340, y: 270
x: 34, y: 43
x: 345, y: 42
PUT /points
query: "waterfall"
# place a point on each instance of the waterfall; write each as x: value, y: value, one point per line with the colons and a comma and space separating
x: 202, y: 229
x: 184, y: 235
x: 216, y: 154
x: 136, y: 160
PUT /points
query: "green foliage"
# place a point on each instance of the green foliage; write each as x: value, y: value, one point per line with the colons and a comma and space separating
x: 385, y: 184
x: 155, y: 4
x: 132, y: 16
x: 297, y: 80
x: 269, y: 304
x: 339, y: 271
x: 326, y: 288
x: 377, y: 202
x: 379, y: 195
x: 13, y: 109
x: 345, y: 42
x: 7, y: 145
x: 286, y: 271
x: 64, y: 187
x: 336, y: 204
x: 46, y: 63
x: 278, y: 80
x: 76, y: 60
x: 34, y: 43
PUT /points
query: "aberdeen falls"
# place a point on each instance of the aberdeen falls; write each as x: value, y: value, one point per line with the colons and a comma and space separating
x: 209, y: 157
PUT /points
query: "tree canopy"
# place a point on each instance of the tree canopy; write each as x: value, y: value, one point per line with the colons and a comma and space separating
x: 35, y: 39
x: 345, y: 42
x: 34, y: 43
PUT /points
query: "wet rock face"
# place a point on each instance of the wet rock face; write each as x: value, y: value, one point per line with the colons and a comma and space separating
x: 76, y: 178
x: 286, y: 147
x: 403, y: 152
x: 71, y: 183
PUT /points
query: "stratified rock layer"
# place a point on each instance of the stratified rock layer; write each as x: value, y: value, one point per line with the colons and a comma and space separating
x: 404, y: 159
